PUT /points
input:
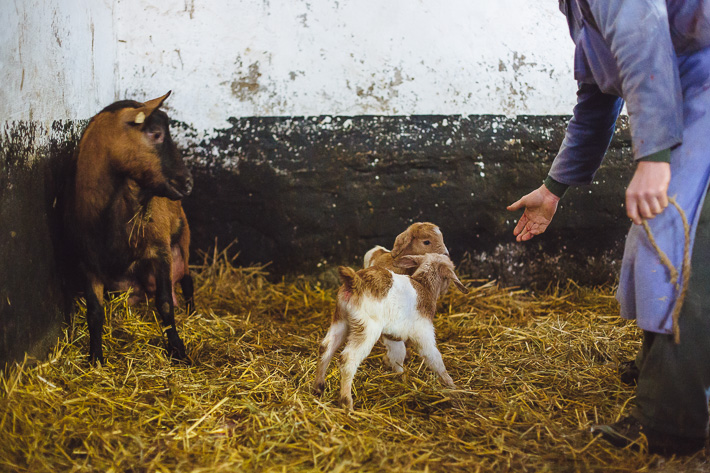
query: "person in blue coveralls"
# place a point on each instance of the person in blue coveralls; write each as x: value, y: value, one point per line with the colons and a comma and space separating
x: 654, y: 56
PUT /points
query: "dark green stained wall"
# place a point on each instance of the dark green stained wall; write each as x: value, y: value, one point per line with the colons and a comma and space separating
x: 32, y: 300
x: 308, y: 193
x: 304, y: 192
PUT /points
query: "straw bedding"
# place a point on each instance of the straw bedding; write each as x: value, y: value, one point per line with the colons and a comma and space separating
x: 534, y: 371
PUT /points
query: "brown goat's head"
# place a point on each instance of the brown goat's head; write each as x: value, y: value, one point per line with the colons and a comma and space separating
x: 135, y: 138
x: 419, y: 239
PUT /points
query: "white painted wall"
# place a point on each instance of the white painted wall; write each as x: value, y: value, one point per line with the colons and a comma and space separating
x: 66, y: 59
x: 57, y: 58
x: 239, y: 58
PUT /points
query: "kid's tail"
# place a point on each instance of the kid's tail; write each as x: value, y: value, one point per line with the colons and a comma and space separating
x: 351, y: 281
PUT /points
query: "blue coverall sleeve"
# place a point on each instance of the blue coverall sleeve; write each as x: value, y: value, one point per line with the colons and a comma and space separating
x: 638, y: 35
x: 588, y: 135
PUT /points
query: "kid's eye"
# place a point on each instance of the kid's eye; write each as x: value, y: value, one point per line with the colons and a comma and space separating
x: 426, y: 242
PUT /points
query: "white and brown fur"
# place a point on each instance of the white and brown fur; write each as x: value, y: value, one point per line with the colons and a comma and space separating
x: 418, y: 239
x: 376, y: 301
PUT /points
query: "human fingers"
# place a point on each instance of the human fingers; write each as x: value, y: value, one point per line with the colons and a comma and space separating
x: 530, y: 230
x: 522, y: 232
x: 654, y: 204
x: 516, y: 205
x: 521, y: 225
x: 632, y: 210
x: 525, y: 236
x: 663, y: 200
x: 537, y: 228
x: 645, y: 209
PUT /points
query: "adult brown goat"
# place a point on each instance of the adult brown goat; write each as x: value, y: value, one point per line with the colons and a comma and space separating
x: 123, y: 218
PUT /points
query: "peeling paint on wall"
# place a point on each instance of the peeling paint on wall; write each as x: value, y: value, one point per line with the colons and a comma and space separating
x: 353, y: 57
x: 67, y: 73
x: 57, y: 68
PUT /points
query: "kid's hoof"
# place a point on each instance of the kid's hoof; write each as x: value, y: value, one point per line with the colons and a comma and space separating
x: 346, y: 403
x: 318, y: 389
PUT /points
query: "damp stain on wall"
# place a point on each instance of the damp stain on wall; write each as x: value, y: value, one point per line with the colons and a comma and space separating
x: 33, y: 300
x: 245, y: 86
x: 308, y: 192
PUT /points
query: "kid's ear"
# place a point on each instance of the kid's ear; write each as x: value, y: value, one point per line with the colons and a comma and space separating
x: 459, y: 285
x: 401, y: 242
x: 407, y: 261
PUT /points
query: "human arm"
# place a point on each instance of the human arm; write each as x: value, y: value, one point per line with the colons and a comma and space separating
x: 638, y: 36
x: 587, y: 138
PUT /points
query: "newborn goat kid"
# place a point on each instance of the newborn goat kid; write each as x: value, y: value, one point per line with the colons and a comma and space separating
x: 419, y: 238
x: 376, y: 301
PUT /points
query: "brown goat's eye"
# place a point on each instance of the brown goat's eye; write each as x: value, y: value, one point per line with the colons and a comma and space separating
x: 155, y: 134
x: 427, y: 242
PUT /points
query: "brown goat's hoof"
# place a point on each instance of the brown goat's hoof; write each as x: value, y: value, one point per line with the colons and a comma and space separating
x: 178, y: 354
x: 96, y: 359
x: 176, y: 347
x: 96, y: 362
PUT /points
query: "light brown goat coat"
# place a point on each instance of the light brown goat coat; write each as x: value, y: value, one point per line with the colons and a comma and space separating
x: 419, y: 238
x: 123, y: 220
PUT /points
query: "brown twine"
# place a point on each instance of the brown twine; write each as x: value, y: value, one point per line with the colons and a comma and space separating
x: 683, y: 286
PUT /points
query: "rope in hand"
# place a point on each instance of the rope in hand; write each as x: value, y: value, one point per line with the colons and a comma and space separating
x: 683, y: 286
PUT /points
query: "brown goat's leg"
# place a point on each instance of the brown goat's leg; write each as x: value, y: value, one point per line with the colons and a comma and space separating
x: 183, y: 253
x: 188, y: 293
x: 164, y: 304
x: 95, y: 318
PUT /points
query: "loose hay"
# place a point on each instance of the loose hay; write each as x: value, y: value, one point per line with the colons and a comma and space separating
x: 534, y: 371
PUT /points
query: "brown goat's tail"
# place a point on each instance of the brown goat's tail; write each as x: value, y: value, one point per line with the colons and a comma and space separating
x: 351, y: 281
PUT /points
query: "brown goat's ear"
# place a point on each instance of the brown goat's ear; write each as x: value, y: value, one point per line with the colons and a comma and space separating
x: 149, y: 106
x: 401, y: 242
x: 137, y: 116
x: 408, y: 261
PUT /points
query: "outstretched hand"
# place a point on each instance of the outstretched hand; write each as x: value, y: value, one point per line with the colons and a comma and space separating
x: 540, y: 206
